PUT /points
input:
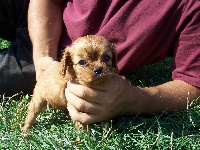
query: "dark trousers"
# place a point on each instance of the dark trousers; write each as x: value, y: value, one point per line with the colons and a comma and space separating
x: 16, y: 64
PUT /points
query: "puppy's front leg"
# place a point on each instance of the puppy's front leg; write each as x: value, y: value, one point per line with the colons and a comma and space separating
x: 36, y: 105
x: 80, y: 127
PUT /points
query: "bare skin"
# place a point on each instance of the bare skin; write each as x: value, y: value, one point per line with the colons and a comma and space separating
x: 45, y: 27
x: 117, y: 96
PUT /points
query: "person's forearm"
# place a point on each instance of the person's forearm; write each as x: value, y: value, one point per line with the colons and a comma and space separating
x: 45, y: 27
x: 170, y: 97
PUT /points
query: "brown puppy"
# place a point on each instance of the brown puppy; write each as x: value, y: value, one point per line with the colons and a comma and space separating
x: 90, y: 60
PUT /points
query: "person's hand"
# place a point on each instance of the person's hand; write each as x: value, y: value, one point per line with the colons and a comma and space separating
x: 41, y: 64
x: 89, y: 105
x: 117, y: 97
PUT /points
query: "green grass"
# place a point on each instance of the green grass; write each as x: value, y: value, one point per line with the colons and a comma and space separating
x: 54, y: 129
x: 3, y: 44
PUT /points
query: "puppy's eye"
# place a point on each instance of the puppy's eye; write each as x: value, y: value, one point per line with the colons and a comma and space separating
x: 82, y: 62
x: 106, y: 58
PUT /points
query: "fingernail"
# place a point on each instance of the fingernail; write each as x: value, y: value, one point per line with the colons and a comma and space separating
x: 69, y: 107
x: 66, y: 90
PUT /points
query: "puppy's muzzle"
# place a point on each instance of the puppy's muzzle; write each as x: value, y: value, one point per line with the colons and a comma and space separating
x: 97, y: 70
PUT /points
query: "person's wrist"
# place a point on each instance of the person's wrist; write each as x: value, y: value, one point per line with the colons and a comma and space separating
x: 126, y: 99
x: 131, y: 97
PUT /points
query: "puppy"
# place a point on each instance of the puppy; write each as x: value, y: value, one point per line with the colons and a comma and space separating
x: 90, y: 61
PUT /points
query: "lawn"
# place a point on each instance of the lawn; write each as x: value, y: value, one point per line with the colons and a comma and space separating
x: 3, y: 44
x: 54, y: 129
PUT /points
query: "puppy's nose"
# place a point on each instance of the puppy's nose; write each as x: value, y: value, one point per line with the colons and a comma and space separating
x: 97, y: 70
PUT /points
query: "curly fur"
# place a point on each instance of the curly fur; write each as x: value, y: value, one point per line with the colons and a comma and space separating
x: 90, y: 60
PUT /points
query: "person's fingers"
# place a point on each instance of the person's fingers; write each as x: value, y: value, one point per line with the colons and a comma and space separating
x: 87, y: 93
x: 89, y: 105
x: 81, y: 104
x: 85, y: 118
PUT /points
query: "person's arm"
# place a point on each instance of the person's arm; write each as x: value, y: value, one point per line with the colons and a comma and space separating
x: 118, y: 97
x: 45, y: 27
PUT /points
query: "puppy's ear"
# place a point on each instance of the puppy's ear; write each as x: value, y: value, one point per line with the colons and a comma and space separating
x: 114, y: 58
x: 65, y: 61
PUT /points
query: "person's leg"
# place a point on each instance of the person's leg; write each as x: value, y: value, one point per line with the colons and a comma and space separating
x: 16, y: 65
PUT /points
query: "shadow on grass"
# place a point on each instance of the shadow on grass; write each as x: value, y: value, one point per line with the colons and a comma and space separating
x: 151, y: 75
x: 187, y: 122
x: 49, y: 118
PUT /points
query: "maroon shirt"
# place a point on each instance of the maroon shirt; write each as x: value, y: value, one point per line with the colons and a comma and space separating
x: 144, y: 31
